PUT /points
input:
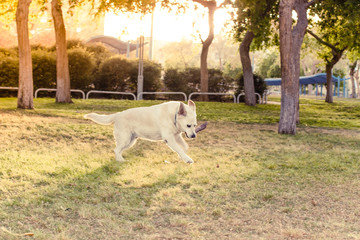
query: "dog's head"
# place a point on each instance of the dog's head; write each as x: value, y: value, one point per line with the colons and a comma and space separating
x: 186, y: 119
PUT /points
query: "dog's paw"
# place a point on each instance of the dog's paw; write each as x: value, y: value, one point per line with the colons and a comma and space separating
x: 188, y: 160
x: 120, y: 159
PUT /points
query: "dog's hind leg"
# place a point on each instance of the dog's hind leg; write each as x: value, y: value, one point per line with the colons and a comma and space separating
x: 124, y: 140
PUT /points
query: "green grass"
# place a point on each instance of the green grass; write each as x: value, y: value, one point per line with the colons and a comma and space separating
x: 59, y: 178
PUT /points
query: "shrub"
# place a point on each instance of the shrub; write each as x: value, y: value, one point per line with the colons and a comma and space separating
x: 81, y: 68
x: 9, y: 75
x: 99, y: 52
x: 218, y: 82
x: 9, y: 71
x: 151, y: 73
x: 176, y: 81
x: 259, y: 84
x: 188, y: 80
x: 8, y: 52
x: 113, y: 75
x: 44, y: 69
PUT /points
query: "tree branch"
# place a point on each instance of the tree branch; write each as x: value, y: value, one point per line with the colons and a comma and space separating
x: 320, y: 40
x: 224, y: 3
x: 202, y: 41
x: 208, y: 4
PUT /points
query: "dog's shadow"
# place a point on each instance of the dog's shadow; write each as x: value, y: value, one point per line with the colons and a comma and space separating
x: 101, y: 187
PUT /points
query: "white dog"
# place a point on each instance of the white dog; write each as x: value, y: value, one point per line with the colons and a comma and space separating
x: 164, y: 122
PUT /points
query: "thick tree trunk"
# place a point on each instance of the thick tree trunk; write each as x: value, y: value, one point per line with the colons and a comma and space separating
x: 291, y: 39
x: 249, y: 87
x: 352, y: 77
x: 26, y: 88
x: 62, y: 62
x: 204, y: 74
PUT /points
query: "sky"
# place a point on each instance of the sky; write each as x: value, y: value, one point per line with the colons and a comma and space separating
x: 167, y: 26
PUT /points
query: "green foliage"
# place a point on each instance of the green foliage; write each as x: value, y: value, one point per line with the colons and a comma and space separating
x: 8, y: 52
x: 90, y: 65
x: 9, y: 71
x: 120, y: 74
x: 175, y: 81
x: 99, y: 52
x: 267, y: 63
x: 188, y: 80
x: 259, y: 84
x: 257, y: 17
x: 71, y: 43
x: 113, y: 75
x: 81, y: 67
x: 143, y: 6
x: 44, y: 69
x: 151, y: 73
x: 274, y: 71
x: 339, y: 25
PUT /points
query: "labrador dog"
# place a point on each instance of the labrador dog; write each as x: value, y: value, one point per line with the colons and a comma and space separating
x: 163, y: 122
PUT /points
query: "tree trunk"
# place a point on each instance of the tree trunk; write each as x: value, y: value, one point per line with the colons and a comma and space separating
x: 62, y: 62
x: 329, y: 84
x: 352, y: 75
x: 26, y: 88
x: 204, y: 74
x: 356, y: 81
x: 291, y: 39
x: 249, y: 87
x: 337, y: 54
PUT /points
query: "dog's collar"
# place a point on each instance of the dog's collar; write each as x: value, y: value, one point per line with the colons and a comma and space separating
x: 175, y: 118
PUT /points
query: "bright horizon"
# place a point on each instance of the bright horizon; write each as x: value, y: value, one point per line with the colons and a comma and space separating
x: 167, y: 26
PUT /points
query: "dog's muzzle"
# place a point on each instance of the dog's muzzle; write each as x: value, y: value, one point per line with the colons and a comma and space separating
x: 191, y: 136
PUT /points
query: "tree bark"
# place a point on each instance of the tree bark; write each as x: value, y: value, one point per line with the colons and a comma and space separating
x: 249, y: 87
x: 329, y: 84
x: 356, y: 81
x: 291, y: 38
x: 337, y: 53
x: 352, y: 77
x: 204, y: 73
x: 62, y: 62
x: 26, y: 88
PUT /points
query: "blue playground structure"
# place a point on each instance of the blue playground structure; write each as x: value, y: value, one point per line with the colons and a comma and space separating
x: 318, y: 79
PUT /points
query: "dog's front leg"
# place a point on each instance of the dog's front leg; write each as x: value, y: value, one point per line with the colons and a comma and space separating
x: 182, y: 142
x: 173, y: 144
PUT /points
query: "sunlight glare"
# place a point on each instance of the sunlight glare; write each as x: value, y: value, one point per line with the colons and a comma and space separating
x: 167, y: 26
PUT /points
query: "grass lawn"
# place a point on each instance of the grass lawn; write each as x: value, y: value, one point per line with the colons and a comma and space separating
x: 59, y: 178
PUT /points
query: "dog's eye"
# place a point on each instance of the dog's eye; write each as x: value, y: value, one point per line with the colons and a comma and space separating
x: 189, y: 126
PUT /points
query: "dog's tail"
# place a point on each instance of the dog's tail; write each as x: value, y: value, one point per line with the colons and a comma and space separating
x: 101, y: 119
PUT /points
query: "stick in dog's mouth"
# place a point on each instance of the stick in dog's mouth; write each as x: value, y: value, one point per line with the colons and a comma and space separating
x: 201, y: 127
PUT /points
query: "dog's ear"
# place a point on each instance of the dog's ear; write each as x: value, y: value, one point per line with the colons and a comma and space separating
x: 192, y: 105
x: 182, y: 110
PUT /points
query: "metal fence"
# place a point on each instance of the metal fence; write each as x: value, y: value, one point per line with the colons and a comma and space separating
x: 109, y: 92
x: 261, y: 100
x: 256, y: 94
x: 54, y: 90
x: 212, y: 93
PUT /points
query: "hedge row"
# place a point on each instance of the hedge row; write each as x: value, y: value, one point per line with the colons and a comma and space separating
x: 95, y: 67
x: 90, y: 66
